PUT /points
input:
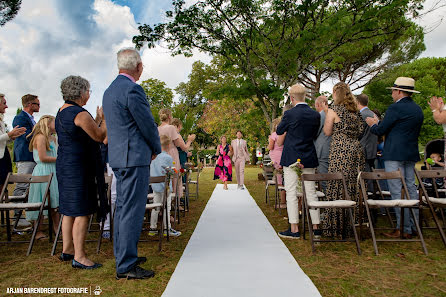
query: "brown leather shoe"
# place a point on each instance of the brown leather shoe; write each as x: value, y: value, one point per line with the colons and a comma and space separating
x: 394, y: 234
x: 407, y: 236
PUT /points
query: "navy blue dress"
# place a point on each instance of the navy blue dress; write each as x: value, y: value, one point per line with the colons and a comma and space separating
x: 76, y: 166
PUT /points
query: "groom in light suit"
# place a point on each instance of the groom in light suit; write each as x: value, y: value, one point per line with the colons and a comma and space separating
x: 133, y: 141
x: 239, y: 158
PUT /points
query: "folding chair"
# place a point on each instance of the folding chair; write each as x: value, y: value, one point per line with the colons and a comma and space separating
x: 277, y: 190
x: 162, y: 206
x: 6, y: 204
x: 108, y: 182
x: 402, y: 203
x: 268, y: 174
x: 378, y: 193
x: 432, y: 202
x: 346, y: 204
x: 176, y: 198
x: 195, y: 182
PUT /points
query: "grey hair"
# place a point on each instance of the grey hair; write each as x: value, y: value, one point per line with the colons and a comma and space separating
x: 2, y: 95
x: 128, y: 59
x: 72, y: 87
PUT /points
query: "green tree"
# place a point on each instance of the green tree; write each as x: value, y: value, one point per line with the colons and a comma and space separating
x: 358, y: 63
x: 271, y: 43
x: 158, y: 95
x: 226, y: 116
x: 430, y: 80
x: 8, y: 10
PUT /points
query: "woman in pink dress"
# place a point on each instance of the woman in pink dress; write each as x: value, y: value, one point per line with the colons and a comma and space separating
x: 223, y: 169
x: 177, y: 141
x: 275, y: 153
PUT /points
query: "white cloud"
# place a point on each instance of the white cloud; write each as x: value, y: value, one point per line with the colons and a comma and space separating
x: 43, y: 45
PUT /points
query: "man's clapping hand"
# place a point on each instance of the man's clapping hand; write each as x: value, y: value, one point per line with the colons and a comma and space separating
x: 372, y: 121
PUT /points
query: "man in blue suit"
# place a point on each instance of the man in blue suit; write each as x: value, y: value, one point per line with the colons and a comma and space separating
x: 133, y: 141
x: 401, y: 127
x: 22, y: 156
x: 301, y: 125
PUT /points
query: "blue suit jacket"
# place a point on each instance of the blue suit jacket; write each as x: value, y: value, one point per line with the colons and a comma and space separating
x: 21, y: 144
x: 132, y: 133
x: 302, y: 125
x: 401, y: 127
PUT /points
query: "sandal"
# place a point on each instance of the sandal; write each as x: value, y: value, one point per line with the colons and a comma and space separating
x: 41, y: 237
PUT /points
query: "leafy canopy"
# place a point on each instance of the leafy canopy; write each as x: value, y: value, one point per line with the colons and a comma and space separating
x: 430, y: 80
x: 272, y: 42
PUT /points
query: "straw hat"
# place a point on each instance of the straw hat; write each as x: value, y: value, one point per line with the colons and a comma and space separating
x: 405, y: 84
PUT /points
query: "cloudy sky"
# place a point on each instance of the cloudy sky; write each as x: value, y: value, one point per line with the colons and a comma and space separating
x: 51, y: 39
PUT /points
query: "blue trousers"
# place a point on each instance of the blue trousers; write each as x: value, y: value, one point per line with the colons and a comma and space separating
x: 131, y: 197
x: 407, y: 169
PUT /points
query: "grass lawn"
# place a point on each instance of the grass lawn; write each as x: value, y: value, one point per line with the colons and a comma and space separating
x: 336, y: 269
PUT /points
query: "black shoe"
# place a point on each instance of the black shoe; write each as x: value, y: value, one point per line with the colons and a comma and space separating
x: 66, y: 257
x: 136, y: 273
x: 317, y: 233
x: 289, y: 234
x: 76, y: 264
x: 141, y: 260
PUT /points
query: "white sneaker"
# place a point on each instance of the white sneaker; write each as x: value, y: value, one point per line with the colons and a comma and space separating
x: 23, y: 224
x: 172, y: 232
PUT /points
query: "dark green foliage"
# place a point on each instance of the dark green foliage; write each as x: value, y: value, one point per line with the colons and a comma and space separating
x: 271, y: 43
x: 8, y: 10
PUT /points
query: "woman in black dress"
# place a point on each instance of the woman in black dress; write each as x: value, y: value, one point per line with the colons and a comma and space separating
x: 5, y: 158
x: 79, y: 171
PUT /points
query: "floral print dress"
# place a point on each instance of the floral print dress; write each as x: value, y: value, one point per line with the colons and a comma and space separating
x: 347, y: 156
x: 223, y: 169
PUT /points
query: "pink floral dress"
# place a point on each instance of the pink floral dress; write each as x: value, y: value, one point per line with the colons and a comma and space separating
x: 223, y: 169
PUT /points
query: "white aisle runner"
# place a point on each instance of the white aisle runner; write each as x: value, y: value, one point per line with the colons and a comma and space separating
x: 235, y: 252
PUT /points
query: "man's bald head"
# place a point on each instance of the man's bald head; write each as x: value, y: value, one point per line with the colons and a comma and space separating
x: 320, y: 103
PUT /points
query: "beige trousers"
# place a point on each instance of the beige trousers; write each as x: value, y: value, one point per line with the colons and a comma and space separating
x: 240, y: 170
x: 292, y: 205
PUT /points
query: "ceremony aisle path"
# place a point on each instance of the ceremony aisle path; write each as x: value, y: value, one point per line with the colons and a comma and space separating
x: 235, y: 252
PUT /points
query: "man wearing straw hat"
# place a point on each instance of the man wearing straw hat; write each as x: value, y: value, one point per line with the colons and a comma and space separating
x: 401, y: 127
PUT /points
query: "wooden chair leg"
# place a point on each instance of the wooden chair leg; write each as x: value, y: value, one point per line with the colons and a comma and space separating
x: 160, y: 232
x: 443, y: 217
x: 90, y: 222
x: 310, y: 228
x: 372, y: 230
x: 101, y: 232
x: 33, y: 236
x: 8, y: 226
x: 389, y: 216
x: 56, y: 238
x: 437, y: 223
x: 358, y: 248
x: 420, y: 234
x: 167, y: 224
x: 304, y: 206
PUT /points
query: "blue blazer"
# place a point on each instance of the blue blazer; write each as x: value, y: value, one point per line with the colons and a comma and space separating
x: 132, y: 133
x: 401, y: 126
x: 302, y: 125
x: 21, y: 144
